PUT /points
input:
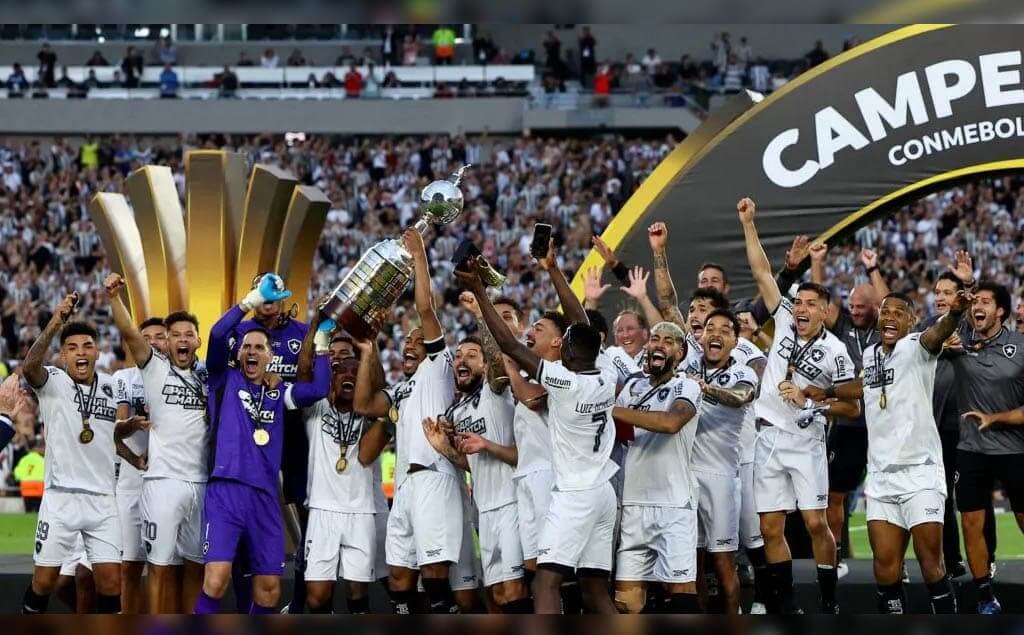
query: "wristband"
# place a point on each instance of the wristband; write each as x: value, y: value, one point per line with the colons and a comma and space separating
x: 871, y: 270
x: 6, y: 418
x: 830, y: 392
x: 621, y: 273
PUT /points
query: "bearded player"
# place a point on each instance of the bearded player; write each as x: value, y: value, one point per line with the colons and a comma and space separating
x: 131, y: 402
x: 175, y: 468
x: 659, y: 519
x: 578, y: 530
x: 79, y: 408
x: 790, y: 466
x: 247, y: 411
x: 482, y: 442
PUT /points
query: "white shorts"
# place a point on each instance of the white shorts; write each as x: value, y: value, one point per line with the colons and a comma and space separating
x: 380, y: 562
x: 533, y: 497
x: 790, y: 471
x: 65, y: 516
x: 425, y: 525
x: 579, y: 528
x: 658, y: 544
x: 750, y: 522
x: 466, y: 574
x: 129, y: 509
x: 718, y: 511
x: 172, y: 520
x: 908, y: 510
x: 340, y: 546
x: 70, y: 567
x: 501, y: 552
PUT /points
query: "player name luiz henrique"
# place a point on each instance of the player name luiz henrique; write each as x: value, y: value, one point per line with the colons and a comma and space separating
x: 588, y: 408
x: 997, y: 75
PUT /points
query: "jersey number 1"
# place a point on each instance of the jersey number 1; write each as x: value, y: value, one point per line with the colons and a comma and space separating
x: 601, y: 417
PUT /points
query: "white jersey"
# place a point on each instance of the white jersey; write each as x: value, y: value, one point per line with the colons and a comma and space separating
x: 71, y: 464
x: 179, y: 437
x: 328, y: 430
x: 131, y: 392
x: 398, y: 395
x: 658, y: 464
x: 904, y: 433
x: 745, y: 352
x: 432, y: 391
x: 580, y: 419
x: 623, y: 363
x: 533, y: 439
x: 822, y: 362
x: 693, y: 352
x: 489, y: 415
x: 717, y: 444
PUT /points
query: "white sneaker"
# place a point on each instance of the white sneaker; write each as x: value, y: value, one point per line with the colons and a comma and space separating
x: 842, y: 569
x: 758, y: 608
x: 286, y: 609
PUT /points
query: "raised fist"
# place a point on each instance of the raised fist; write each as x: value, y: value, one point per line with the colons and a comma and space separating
x: 113, y: 285
x: 657, y: 236
x: 746, y: 209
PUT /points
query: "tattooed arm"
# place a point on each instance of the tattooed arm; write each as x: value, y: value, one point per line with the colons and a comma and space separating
x: 33, y: 367
x: 736, y: 397
x: 668, y: 299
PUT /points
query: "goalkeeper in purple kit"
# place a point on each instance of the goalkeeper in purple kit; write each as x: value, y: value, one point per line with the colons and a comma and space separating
x: 247, y: 407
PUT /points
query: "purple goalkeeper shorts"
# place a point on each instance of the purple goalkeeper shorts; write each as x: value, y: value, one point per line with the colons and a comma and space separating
x: 235, y: 512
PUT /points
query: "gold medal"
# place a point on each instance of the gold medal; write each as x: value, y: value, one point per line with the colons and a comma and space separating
x: 86, y: 436
x: 341, y: 465
x: 261, y: 437
x: 882, y: 401
x: 393, y: 414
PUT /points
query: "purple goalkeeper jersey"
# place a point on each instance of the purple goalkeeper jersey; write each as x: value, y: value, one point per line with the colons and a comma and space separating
x: 286, y: 343
x: 238, y: 408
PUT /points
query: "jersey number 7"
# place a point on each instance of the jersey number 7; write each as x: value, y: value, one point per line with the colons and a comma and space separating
x: 601, y: 417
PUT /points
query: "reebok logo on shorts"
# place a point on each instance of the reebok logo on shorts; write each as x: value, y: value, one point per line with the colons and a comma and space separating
x: 433, y: 552
x: 822, y: 498
x: 721, y: 542
x: 680, y: 572
x: 543, y: 552
x: 931, y: 511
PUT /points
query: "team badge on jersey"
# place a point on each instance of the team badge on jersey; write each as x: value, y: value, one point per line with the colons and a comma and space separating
x: 109, y: 392
x: 294, y: 346
x: 1009, y: 350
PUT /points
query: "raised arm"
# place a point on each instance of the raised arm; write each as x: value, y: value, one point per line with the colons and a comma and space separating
x: 760, y: 268
x: 679, y: 414
x: 668, y: 299
x: 618, y: 268
x: 497, y: 378
x: 935, y: 335
x: 270, y: 289
x: 423, y: 286
x: 307, y: 354
x: 33, y: 366
x: 571, y: 306
x: 870, y: 260
x: 736, y: 397
x: 637, y: 290
x: 532, y: 395
x: 132, y: 338
x: 593, y: 290
x: 305, y: 394
x: 507, y: 342
x: 369, y: 400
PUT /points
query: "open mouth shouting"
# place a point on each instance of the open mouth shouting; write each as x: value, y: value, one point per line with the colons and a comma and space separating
x: 530, y: 341
x: 463, y: 374
x: 347, y: 386
x: 81, y: 365
x: 979, y: 317
x: 409, y: 361
x: 696, y: 328
x: 715, y: 345
x: 251, y: 363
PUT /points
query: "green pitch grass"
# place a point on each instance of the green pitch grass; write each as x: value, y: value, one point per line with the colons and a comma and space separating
x: 17, y: 530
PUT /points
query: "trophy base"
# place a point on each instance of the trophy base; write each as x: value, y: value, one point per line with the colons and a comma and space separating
x: 355, y: 325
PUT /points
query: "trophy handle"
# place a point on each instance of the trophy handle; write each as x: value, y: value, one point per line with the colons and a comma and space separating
x: 457, y: 177
x: 421, y: 225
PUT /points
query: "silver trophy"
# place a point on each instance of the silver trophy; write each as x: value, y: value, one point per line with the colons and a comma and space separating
x: 360, y: 303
